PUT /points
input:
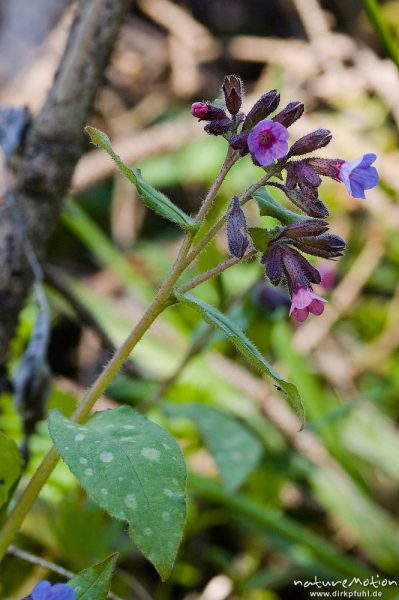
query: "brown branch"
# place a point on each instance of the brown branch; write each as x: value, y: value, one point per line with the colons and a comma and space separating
x: 52, y: 148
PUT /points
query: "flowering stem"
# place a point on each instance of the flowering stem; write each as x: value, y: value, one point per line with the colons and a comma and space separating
x: 215, y: 271
x: 159, y: 303
x: 245, y: 196
x: 230, y: 160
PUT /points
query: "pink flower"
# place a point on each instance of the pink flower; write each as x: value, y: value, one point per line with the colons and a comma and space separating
x: 268, y: 140
x: 304, y: 301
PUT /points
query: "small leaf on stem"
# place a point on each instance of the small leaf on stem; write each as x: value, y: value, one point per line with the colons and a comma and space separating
x: 237, y: 337
x: 153, y: 198
x: 94, y: 583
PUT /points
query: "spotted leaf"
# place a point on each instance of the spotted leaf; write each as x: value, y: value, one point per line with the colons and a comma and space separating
x: 135, y: 471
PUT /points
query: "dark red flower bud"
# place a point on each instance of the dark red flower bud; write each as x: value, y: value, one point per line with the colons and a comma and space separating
x: 237, y: 235
x: 313, y: 207
x: 301, y: 229
x: 199, y: 110
x: 291, y: 113
x: 261, y: 109
x: 218, y: 126
x: 232, y: 89
x: 240, y: 143
x: 205, y: 111
x: 310, y: 142
x: 329, y: 167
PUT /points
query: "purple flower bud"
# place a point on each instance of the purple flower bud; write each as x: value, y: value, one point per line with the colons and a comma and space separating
x: 268, y: 141
x: 301, y: 172
x: 240, y: 143
x: 273, y: 261
x: 358, y: 175
x: 300, y: 229
x: 237, y: 235
x: 45, y: 591
x: 305, y: 301
x: 232, y: 89
x: 326, y: 245
x: 291, y: 113
x: 329, y: 167
x: 313, y: 207
x: 218, y: 126
x: 310, y: 237
x: 310, y: 142
x: 309, y: 191
x: 261, y: 109
x: 282, y: 260
x: 297, y: 270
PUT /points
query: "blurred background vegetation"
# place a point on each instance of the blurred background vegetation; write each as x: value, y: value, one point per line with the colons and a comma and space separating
x: 320, y: 502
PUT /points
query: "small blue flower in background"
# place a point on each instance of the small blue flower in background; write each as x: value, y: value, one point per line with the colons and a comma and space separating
x: 45, y: 591
x: 358, y: 175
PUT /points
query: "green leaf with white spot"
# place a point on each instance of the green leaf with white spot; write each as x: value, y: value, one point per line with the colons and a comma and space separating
x: 269, y: 207
x: 247, y: 348
x: 10, y: 467
x: 236, y: 450
x: 153, y: 198
x: 134, y: 470
x: 94, y: 583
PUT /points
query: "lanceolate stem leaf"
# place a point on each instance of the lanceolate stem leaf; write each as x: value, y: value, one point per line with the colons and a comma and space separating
x: 238, y: 338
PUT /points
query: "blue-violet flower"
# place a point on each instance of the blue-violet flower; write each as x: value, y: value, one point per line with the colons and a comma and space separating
x: 358, y: 175
x: 268, y: 140
x: 45, y: 591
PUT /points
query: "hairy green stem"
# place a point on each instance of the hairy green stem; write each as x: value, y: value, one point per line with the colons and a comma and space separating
x: 245, y: 196
x: 84, y: 408
x: 215, y: 271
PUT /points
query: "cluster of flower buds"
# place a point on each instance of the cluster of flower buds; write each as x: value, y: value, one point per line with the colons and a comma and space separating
x: 283, y: 262
x: 219, y: 121
x: 264, y: 136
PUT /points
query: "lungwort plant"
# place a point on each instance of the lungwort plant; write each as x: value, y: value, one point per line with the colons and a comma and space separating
x: 128, y: 465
